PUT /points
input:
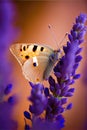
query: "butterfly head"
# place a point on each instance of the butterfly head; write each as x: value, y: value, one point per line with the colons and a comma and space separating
x: 54, y: 57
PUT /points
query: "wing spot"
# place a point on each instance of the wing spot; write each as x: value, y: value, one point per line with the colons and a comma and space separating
x: 26, y: 57
x: 24, y: 48
x: 27, y: 46
x: 37, y: 79
x: 34, y: 64
x: 34, y: 48
x: 42, y: 48
x: 20, y: 49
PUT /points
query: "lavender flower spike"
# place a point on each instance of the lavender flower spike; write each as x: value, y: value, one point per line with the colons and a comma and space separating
x: 51, y: 101
x: 69, y: 63
x: 65, y: 70
x: 38, y: 99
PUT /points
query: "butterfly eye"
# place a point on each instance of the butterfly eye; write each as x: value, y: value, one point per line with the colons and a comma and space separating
x: 52, y: 56
x: 58, y: 50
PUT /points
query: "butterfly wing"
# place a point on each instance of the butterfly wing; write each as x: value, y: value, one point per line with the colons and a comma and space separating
x: 23, y: 52
x: 35, y: 73
x: 17, y: 53
x: 29, y: 55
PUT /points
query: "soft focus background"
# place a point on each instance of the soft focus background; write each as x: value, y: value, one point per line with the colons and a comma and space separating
x: 33, y: 18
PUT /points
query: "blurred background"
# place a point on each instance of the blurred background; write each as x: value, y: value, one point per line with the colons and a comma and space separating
x: 32, y: 19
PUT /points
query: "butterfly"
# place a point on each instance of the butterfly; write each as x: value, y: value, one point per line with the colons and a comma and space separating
x: 36, y: 60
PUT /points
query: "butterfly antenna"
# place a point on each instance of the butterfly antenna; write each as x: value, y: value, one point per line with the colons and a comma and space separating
x: 61, y: 41
x: 54, y: 36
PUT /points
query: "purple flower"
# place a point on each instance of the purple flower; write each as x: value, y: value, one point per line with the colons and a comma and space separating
x: 6, y: 121
x: 65, y: 70
x: 51, y: 101
x: 8, y: 89
x: 69, y: 106
x: 53, y: 108
x: 7, y: 35
x: 38, y: 99
x: 40, y: 124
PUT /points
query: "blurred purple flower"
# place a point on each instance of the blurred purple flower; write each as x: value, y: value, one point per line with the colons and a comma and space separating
x: 7, y: 34
x: 51, y: 101
x: 8, y: 89
x: 6, y: 121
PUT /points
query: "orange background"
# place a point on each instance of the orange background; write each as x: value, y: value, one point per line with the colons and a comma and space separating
x: 32, y: 20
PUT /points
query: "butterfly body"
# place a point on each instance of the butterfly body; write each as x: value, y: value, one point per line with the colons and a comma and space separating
x: 36, y: 60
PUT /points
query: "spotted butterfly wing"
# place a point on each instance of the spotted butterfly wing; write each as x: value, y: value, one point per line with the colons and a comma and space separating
x: 36, y: 60
x: 34, y: 71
